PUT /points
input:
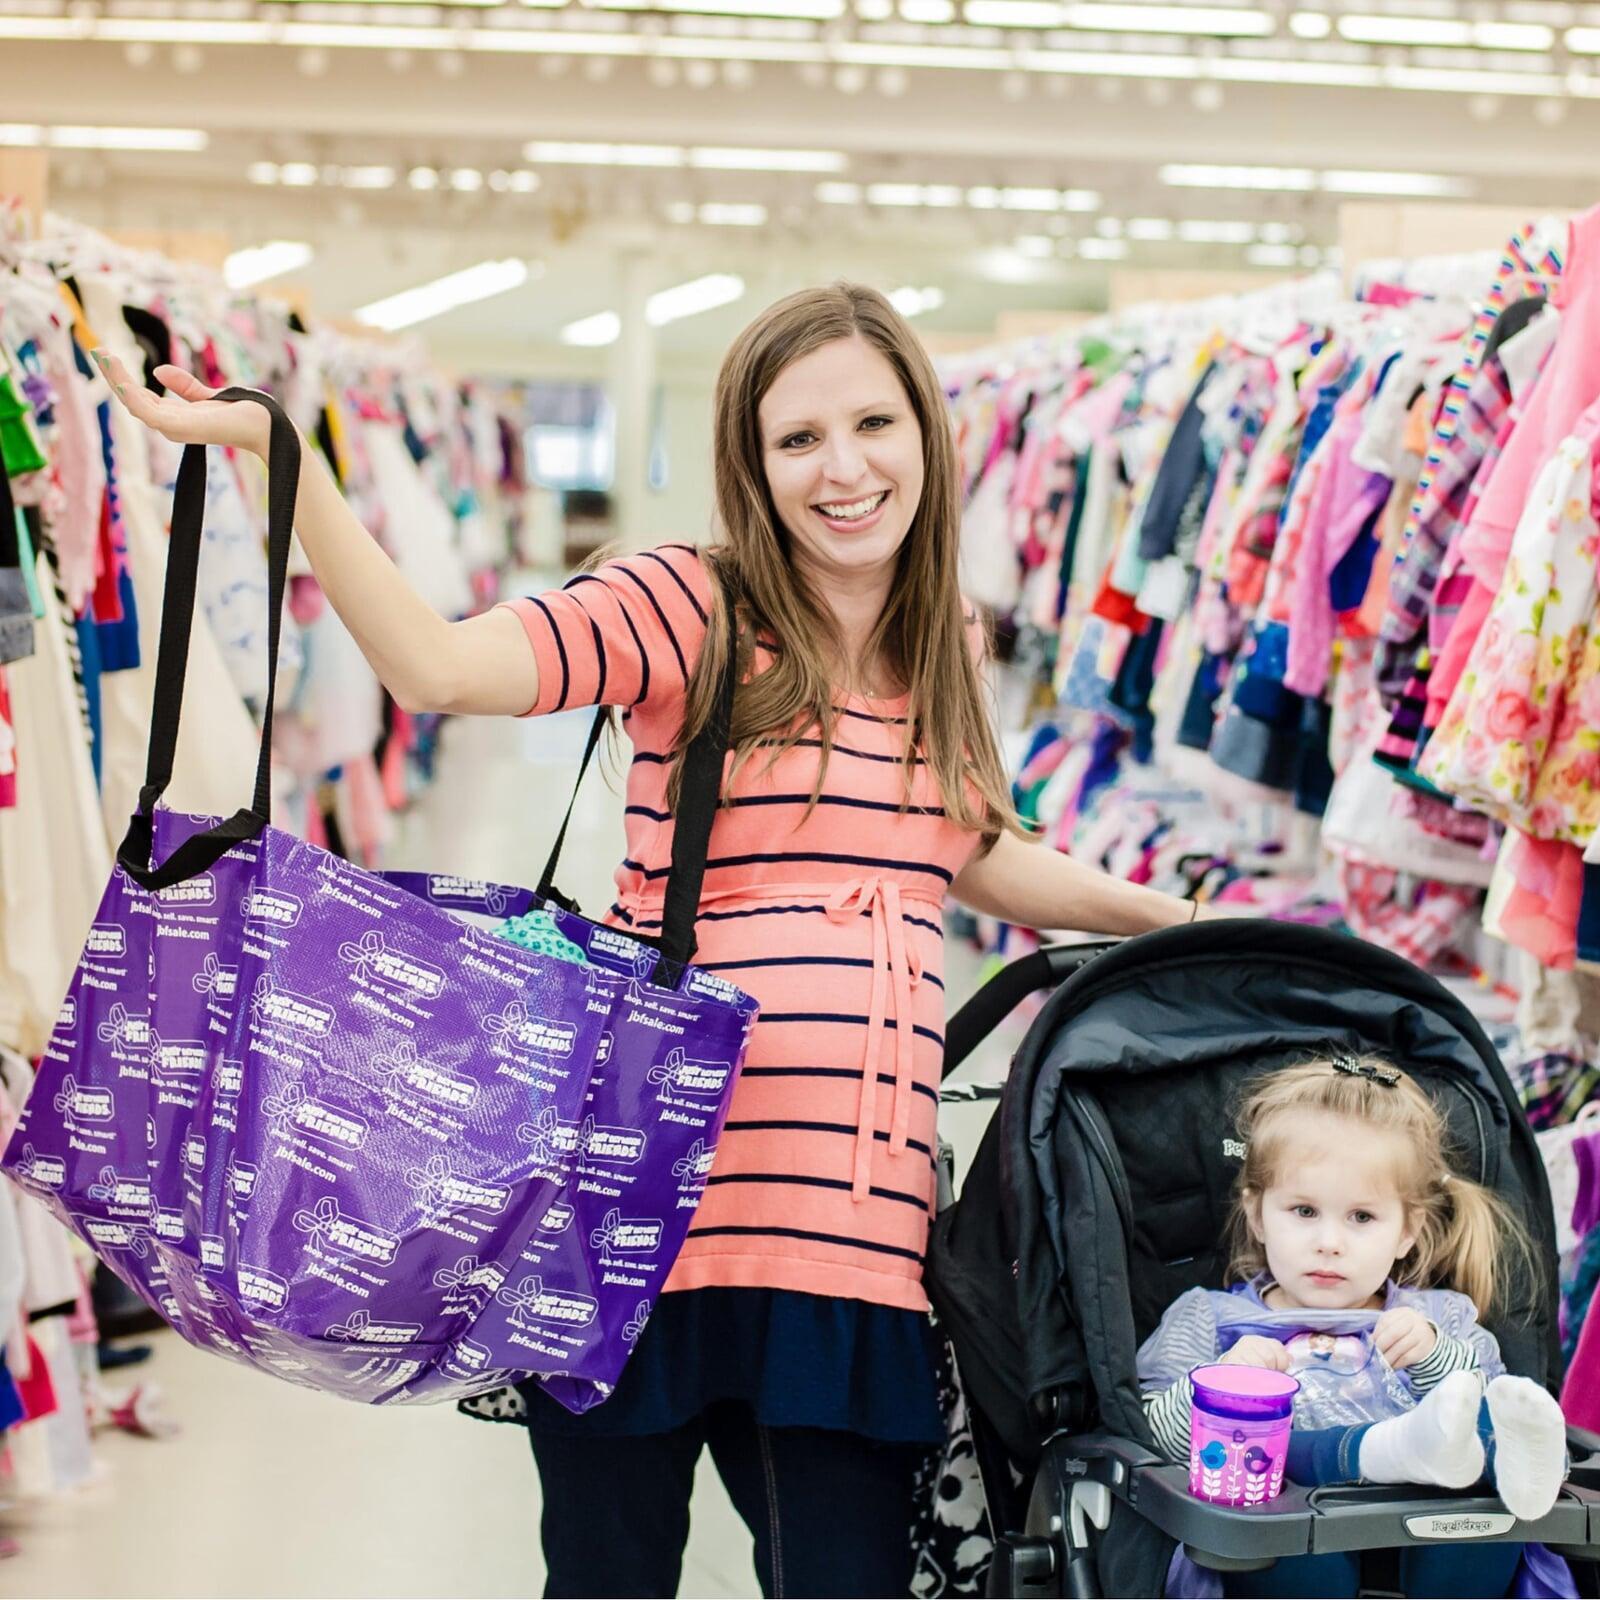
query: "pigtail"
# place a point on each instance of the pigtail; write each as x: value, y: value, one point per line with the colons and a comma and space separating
x: 1470, y: 1241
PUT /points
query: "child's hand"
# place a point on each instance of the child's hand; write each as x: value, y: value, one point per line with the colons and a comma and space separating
x: 1404, y: 1336
x: 1256, y: 1351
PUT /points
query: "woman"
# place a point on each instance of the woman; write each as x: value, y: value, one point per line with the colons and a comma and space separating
x: 794, y: 1338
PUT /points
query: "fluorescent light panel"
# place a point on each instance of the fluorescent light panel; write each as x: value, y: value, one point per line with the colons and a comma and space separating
x: 1425, y: 185
x: 37, y: 136
x: 1233, y: 22
x: 912, y: 302
x: 692, y: 298
x: 604, y: 327
x: 261, y: 262
x: 449, y: 293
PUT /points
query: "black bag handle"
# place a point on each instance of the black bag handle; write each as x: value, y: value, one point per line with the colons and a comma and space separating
x: 698, y: 795
x: 203, y: 850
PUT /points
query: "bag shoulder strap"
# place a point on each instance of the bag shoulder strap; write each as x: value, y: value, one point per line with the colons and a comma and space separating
x: 699, y: 793
x: 203, y: 850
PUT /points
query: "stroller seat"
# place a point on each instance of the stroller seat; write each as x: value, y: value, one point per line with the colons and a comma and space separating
x: 1101, y: 1193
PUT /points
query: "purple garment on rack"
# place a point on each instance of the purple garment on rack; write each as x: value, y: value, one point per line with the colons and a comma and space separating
x: 1586, y: 1207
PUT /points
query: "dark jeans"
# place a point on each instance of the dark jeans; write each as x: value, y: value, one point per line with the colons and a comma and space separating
x: 1321, y: 1456
x: 830, y: 1512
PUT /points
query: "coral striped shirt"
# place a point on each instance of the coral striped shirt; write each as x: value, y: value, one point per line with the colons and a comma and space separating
x: 824, y: 1178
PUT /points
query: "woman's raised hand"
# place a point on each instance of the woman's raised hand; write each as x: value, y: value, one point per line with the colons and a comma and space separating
x: 189, y: 412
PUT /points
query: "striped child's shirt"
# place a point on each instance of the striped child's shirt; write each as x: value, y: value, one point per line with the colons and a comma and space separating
x: 824, y: 1178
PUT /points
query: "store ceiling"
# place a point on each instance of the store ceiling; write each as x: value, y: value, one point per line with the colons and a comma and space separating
x: 407, y: 141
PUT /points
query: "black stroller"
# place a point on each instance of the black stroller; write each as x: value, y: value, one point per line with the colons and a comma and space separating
x: 1100, y: 1193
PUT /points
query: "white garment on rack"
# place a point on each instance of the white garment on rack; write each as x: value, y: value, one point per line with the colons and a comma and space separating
x: 54, y: 860
x: 217, y: 740
x: 418, y: 529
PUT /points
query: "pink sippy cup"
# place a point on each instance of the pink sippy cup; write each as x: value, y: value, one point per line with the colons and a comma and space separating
x: 1239, y: 1433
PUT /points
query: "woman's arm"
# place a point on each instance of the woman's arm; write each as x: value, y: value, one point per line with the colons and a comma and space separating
x: 482, y: 664
x: 1034, y: 886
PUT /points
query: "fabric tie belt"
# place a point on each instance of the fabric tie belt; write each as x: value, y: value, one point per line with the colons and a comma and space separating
x: 896, y: 972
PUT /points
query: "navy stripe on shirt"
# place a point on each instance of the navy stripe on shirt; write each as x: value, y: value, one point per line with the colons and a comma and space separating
x: 801, y: 961
x: 767, y: 911
x: 832, y: 1072
x: 802, y: 1181
x: 770, y: 1017
x: 775, y: 858
x: 804, y: 1233
x: 672, y: 572
x: 561, y: 651
x: 789, y: 1126
x: 655, y: 605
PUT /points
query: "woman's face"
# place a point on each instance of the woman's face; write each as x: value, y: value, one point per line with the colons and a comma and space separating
x: 843, y: 456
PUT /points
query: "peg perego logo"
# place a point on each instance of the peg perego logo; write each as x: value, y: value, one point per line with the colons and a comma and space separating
x: 472, y: 894
x: 265, y: 905
x: 106, y: 939
x: 326, y: 1225
x: 517, y: 1026
x: 1233, y: 1149
x: 1490, y: 1525
x: 529, y: 1301
x: 683, y: 1076
x: 370, y: 957
x: 264, y: 1290
x: 403, y: 1062
x: 275, y: 1007
x: 200, y: 890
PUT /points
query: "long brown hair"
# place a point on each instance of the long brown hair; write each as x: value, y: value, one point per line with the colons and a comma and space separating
x: 922, y: 631
x: 1466, y: 1237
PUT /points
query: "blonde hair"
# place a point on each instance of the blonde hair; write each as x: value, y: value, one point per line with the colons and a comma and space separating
x: 1466, y: 1237
x: 922, y: 632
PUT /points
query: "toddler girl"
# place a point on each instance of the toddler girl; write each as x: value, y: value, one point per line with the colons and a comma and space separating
x: 1362, y: 1263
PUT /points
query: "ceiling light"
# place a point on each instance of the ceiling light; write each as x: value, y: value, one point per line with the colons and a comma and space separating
x: 428, y: 300
x: 1310, y: 25
x: 184, y: 140
x: 734, y: 160
x: 681, y: 212
x: 298, y: 174
x: 604, y: 327
x: 1014, y: 14
x: 1031, y: 199
x: 1272, y: 255
x: 368, y: 177
x: 912, y: 302
x: 928, y: 11
x: 1094, y: 249
x: 1422, y: 185
x: 796, y: 10
x: 839, y: 194
x: 423, y: 179
x: 1080, y: 200
x: 1471, y: 80
x: 1039, y: 246
x: 263, y: 172
x: 550, y: 153
x: 1217, y: 232
x: 943, y: 195
x: 1583, y: 41
x: 1363, y: 28
x: 260, y: 262
x: 718, y: 214
x: 690, y: 299
x: 1200, y: 177
x: 466, y: 180
x: 1149, y: 228
x: 1234, y: 22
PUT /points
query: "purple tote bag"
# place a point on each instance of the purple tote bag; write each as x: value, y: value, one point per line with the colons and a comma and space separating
x: 335, y: 1129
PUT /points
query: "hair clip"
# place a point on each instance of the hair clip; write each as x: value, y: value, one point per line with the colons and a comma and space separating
x: 1387, y: 1076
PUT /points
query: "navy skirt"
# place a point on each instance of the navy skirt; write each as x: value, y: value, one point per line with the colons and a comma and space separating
x: 797, y: 1360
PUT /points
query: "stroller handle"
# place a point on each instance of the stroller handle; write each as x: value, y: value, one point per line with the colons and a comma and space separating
x: 1048, y: 966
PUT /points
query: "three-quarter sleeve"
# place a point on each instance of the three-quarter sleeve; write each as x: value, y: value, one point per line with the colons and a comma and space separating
x: 625, y: 635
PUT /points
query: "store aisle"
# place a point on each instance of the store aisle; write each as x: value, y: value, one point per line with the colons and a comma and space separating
x: 275, y: 1491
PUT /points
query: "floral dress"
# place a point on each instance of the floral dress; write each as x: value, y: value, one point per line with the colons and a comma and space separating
x: 1520, y: 738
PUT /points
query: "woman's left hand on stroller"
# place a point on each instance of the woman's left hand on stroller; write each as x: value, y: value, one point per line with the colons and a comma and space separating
x: 1404, y: 1336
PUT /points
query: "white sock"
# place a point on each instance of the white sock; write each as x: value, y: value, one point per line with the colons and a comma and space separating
x: 1530, y: 1446
x: 1435, y: 1444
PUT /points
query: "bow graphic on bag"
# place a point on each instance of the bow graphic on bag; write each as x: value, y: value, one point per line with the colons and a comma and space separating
x: 550, y: 1137
x: 401, y: 1056
x: 122, y: 1026
x: 261, y: 998
x: 431, y: 1183
x: 319, y: 1222
x: 105, y: 1191
x: 471, y: 1277
x: 356, y: 1328
x: 67, y: 1095
x: 213, y: 976
x: 523, y: 1299
x: 360, y: 953
x: 687, y: 1166
x: 282, y: 1104
x: 504, y: 1023
x: 632, y: 1329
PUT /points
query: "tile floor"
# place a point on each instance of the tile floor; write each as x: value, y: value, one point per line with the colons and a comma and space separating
x: 273, y: 1491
